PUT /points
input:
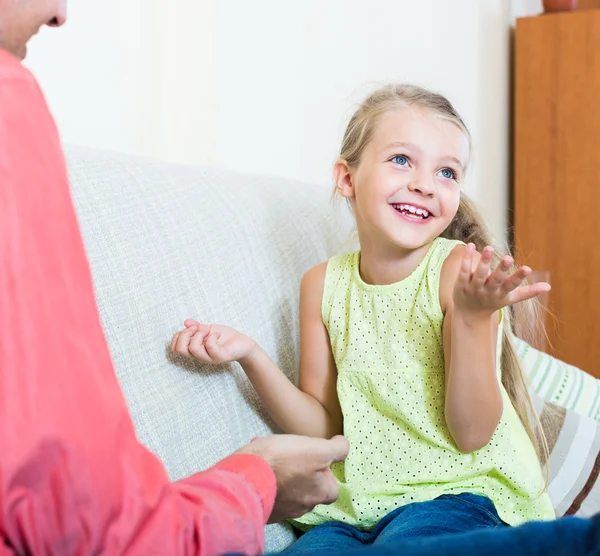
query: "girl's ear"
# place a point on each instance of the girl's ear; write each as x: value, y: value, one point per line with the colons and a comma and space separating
x: 343, y: 179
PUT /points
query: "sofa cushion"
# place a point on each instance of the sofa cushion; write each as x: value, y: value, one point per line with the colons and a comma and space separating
x: 560, y: 383
x: 574, y: 464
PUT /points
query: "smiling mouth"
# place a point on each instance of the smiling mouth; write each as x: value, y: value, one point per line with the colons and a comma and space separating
x: 412, y: 212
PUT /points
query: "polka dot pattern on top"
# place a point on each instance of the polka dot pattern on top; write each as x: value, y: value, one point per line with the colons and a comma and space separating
x: 387, y: 345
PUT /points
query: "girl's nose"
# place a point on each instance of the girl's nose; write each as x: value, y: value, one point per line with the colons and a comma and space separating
x: 423, y: 185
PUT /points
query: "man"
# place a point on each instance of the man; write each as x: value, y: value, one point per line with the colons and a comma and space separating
x: 73, y: 478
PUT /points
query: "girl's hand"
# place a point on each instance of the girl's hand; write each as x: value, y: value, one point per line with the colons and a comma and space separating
x: 483, y: 292
x: 213, y: 344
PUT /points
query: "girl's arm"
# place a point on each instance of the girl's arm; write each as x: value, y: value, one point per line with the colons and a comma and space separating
x: 473, y: 400
x: 311, y: 410
x: 471, y: 295
x: 318, y: 372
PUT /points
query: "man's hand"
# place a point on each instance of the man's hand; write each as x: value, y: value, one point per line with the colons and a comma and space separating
x: 301, y: 466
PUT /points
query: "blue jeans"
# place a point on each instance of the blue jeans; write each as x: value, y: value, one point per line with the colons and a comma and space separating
x: 462, y: 525
x: 446, y: 514
x: 568, y: 536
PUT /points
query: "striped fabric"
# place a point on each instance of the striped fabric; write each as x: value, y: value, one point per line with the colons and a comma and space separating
x: 568, y: 403
x: 574, y: 466
x: 559, y: 383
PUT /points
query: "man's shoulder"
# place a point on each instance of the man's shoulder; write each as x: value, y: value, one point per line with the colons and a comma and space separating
x: 11, y: 69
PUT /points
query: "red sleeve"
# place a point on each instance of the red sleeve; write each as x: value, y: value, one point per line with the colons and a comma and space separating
x: 73, y: 477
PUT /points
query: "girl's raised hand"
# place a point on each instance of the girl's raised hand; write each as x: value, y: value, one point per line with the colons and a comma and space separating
x: 483, y: 291
x: 211, y: 343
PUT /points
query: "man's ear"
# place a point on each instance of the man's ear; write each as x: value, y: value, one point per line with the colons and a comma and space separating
x: 343, y: 179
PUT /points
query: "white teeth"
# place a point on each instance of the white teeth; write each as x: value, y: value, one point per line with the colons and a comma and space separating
x: 413, y: 210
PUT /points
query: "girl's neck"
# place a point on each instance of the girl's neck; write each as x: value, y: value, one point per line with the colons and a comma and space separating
x: 387, y: 264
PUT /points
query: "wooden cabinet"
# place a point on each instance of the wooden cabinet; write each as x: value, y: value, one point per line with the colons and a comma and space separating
x: 588, y: 4
x: 557, y: 173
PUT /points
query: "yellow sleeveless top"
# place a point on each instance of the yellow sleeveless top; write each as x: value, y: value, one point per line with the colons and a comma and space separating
x: 387, y: 345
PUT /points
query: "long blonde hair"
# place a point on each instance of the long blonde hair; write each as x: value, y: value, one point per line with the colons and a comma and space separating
x: 467, y: 226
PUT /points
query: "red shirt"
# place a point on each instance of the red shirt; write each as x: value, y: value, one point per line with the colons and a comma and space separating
x: 73, y: 478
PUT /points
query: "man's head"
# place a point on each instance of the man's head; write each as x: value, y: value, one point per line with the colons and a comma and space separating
x: 21, y: 19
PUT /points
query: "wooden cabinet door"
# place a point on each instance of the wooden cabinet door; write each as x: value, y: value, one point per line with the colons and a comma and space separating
x: 557, y: 173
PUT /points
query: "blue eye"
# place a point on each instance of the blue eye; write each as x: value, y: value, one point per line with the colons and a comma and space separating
x: 400, y: 160
x: 448, y: 173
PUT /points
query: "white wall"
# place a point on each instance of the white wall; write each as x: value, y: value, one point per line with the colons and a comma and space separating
x: 315, y: 66
x: 93, y: 72
x: 267, y: 86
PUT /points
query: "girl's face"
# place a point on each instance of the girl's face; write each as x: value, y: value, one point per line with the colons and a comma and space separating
x: 406, y: 188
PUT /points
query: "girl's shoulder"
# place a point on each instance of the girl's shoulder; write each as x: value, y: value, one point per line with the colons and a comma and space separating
x: 446, y: 248
x: 319, y: 283
x: 315, y: 277
x: 317, y: 274
x: 440, y: 267
x: 340, y: 266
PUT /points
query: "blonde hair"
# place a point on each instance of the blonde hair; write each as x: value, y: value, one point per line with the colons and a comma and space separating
x: 467, y: 226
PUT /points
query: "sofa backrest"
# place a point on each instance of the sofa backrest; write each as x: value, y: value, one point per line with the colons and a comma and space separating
x: 168, y: 242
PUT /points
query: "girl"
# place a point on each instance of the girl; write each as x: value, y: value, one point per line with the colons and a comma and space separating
x: 405, y: 344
